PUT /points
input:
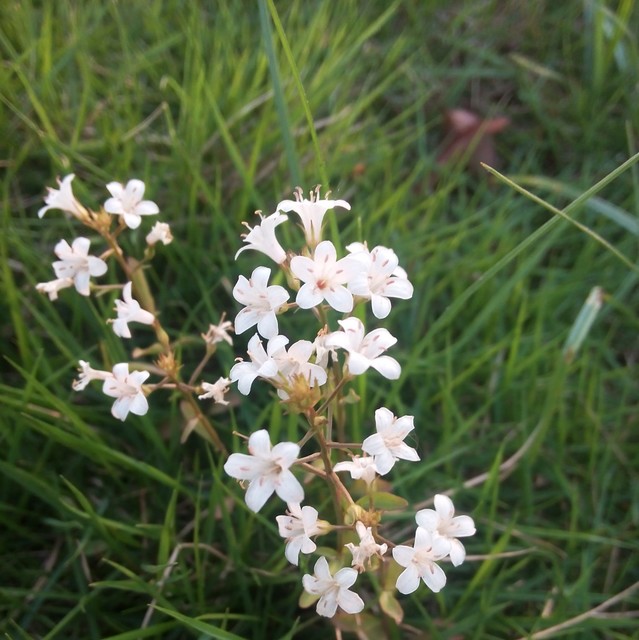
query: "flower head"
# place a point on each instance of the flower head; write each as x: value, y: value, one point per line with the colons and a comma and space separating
x: 216, y: 391
x: 360, y: 467
x: 311, y: 212
x: 443, y: 522
x: 295, y: 363
x: 420, y: 562
x: 333, y: 590
x: 129, y: 310
x: 160, y: 232
x: 387, y: 445
x: 127, y: 202
x: 262, y: 238
x: 219, y: 332
x: 76, y: 263
x: 261, y: 303
x: 297, y: 526
x: 324, y: 277
x: 263, y: 363
x: 267, y: 470
x: 64, y: 199
x: 367, y: 547
x: 365, y: 351
x: 127, y: 389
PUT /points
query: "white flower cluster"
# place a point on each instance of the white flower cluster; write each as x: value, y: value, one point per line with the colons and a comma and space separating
x: 307, y: 373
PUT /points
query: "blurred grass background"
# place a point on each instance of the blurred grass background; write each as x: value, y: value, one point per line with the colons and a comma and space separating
x: 202, y: 101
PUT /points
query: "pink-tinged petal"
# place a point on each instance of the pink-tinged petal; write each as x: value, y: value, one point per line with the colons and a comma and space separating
x: 399, y: 288
x: 408, y: 580
x: 428, y: 519
x: 287, y: 453
x: 457, y: 552
x: 346, y: 577
x: 147, y: 208
x: 120, y: 408
x: 132, y: 220
x: 258, y: 492
x: 242, y: 466
x: 139, y: 405
x: 259, y: 444
x: 350, y: 602
x: 308, y: 297
x: 246, y: 319
x: 327, y: 605
x: 302, y: 268
x: 380, y: 305
x: 403, y: 555
x: 434, y: 577
x: 444, y: 506
x: 325, y: 252
x: 461, y: 527
x: 340, y: 298
x: 387, y: 366
x: 288, y: 487
x: 357, y: 363
x: 266, y: 325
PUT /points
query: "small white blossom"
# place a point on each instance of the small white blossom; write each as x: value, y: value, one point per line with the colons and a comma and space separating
x: 63, y: 199
x: 261, y: 303
x: 76, y: 263
x: 127, y: 202
x: 129, y: 310
x: 267, y: 470
x: 380, y: 279
x: 297, y: 526
x: 360, y: 468
x: 387, y: 445
x: 216, y: 391
x: 262, y: 238
x: 294, y: 362
x: 160, y: 232
x: 52, y: 287
x: 87, y: 374
x: 127, y: 388
x: 219, y: 332
x: 263, y: 363
x: 442, y: 521
x: 324, y: 277
x: 365, y: 351
x: 333, y: 590
x: 367, y: 547
x: 311, y: 212
x: 420, y: 562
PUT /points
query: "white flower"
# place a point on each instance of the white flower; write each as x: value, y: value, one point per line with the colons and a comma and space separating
x: 367, y: 547
x: 387, y: 445
x: 333, y: 590
x: 294, y: 363
x: 365, y: 351
x: 160, y: 232
x: 262, y: 238
x: 360, y: 467
x: 129, y: 310
x: 261, y: 303
x: 311, y: 212
x: 127, y: 388
x: 442, y: 521
x: 127, y: 202
x: 75, y: 262
x: 381, y: 279
x: 87, y: 374
x: 52, y: 287
x: 262, y: 364
x: 216, y: 391
x: 267, y: 470
x: 297, y: 527
x: 219, y: 332
x: 420, y: 562
x: 64, y: 199
x: 324, y: 277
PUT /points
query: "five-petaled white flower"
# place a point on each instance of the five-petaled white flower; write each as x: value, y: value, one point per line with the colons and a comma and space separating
x: 311, y: 212
x: 297, y: 526
x: 129, y: 310
x: 420, y: 562
x: 367, y: 547
x: 360, y: 467
x: 333, y: 590
x: 365, y: 351
x: 160, y: 232
x: 52, y: 287
x: 262, y: 238
x: 443, y: 522
x: 261, y: 303
x: 215, y: 391
x: 63, y: 199
x: 380, y: 279
x: 324, y: 277
x: 87, y: 374
x: 267, y: 470
x: 75, y: 262
x: 127, y: 202
x: 263, y: 363
x: 127, y: 388
x: 387, y: 445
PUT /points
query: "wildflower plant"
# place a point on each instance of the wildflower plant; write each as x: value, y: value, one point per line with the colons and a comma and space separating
x: 331, y: 489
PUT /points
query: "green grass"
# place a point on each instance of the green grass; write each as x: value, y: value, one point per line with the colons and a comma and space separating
x: 223, y: 110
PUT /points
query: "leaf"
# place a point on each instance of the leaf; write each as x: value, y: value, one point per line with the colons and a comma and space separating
x: 383, y: 501
x: 391, y: 607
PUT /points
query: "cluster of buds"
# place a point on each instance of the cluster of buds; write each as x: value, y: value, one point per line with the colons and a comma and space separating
x: 311, y: 377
